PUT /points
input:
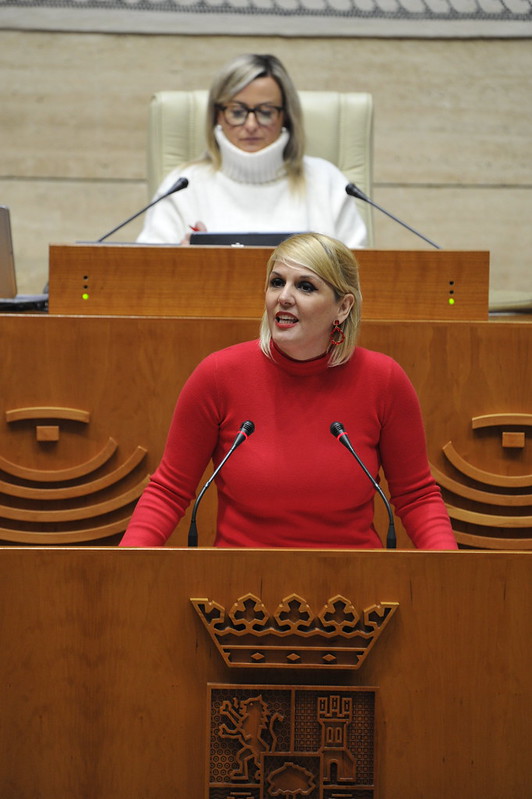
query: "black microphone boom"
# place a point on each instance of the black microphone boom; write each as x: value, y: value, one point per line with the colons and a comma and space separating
x: 354, y: 191
x: 246, y: 429
x: 181, y: 183
x: 338, y: 431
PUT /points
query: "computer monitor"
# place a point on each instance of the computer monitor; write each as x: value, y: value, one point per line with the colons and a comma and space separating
x: 10, y: 300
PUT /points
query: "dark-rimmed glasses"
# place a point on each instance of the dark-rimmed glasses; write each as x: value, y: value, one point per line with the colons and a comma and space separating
x: 236, y: 114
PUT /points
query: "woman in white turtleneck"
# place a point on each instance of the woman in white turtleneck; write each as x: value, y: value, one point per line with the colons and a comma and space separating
x: 254, y: 176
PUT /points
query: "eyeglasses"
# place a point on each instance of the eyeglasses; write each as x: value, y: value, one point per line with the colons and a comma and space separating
x: 236, y: 114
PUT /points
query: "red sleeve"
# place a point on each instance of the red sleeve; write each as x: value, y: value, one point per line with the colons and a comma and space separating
x: 190, y: 444
x: 415, y: 495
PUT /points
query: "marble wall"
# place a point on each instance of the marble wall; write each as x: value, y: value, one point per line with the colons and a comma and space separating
x: 453, y: 134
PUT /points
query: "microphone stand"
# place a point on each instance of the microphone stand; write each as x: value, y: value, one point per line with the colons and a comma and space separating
x: 246, y: 429
x: 181, y: 183
x: 337, y: 430
x: 354, y: 191
x: 193, y: 529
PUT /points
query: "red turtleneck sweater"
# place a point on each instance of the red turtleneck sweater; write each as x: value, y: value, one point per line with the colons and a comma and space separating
x: 292, y: 484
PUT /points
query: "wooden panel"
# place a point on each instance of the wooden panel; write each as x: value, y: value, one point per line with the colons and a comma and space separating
x: 227, y: 281
x: 125, y: 375
x: 110, y: 385
x: 461, y: 372
x: 104, y: 666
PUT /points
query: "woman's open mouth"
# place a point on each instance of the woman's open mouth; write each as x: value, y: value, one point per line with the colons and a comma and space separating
x: 285, y: 320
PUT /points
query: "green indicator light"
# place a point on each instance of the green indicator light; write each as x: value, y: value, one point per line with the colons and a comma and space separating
x: 451, y: 300
x: 85, y: 296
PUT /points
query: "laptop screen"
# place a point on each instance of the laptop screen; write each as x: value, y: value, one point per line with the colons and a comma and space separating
x: 8, y: 281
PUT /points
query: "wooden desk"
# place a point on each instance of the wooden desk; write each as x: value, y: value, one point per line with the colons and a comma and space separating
x: 226, y: 282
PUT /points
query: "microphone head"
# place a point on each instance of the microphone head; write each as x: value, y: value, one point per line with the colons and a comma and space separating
x: 337, y: 428
x: 181, y: 183
x: 354, y: 191
x: 247, y: 427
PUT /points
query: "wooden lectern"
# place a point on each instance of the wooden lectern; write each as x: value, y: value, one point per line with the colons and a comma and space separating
x: 250, y: 674
x: 112, y: 687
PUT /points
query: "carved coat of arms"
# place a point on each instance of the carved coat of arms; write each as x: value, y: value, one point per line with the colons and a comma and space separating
x: 291, y: 742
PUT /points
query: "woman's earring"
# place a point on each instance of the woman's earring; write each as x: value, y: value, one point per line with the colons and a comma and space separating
x: 337, y: 335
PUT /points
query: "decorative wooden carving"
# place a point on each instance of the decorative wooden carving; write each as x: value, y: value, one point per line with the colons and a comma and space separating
x: 81, y: 489
x: 47, y: 432
x: 56, y: 475
x: 498, y: 419
x: 291, y: 742
x: 482, y: 476
x: 48, y: 412
x: 478, y: 486
x: 73, y: 514
x: 293, y: 636
x: 44, y: 505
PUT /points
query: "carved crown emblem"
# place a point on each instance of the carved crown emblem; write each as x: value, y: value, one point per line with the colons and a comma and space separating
x: 338, y: 636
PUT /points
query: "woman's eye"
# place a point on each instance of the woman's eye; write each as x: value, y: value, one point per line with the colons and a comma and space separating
x: 306, y: 286
x: 276, y: 282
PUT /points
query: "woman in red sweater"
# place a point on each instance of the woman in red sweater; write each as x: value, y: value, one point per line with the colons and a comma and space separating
x: 292, y: 485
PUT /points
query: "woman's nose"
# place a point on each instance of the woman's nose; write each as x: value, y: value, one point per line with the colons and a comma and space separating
x: 251, y: 121
x: 286, y: 296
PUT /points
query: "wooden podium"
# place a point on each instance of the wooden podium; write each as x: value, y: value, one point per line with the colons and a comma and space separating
x: 113, y: 683
x: 107, y: 672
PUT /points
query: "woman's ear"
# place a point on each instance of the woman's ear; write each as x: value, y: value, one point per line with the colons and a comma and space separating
x: 345, y: 307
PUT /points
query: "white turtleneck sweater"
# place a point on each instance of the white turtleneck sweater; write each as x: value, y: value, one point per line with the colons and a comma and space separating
x: 251, y: 192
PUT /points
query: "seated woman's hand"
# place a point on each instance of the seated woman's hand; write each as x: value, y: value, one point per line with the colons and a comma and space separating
x: 195, y: 228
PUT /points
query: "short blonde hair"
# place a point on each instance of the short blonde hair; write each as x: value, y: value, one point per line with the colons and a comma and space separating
x: 337, y: 266
x: 235, y: 76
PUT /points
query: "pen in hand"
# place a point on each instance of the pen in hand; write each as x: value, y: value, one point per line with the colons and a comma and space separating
x: 197, y: 227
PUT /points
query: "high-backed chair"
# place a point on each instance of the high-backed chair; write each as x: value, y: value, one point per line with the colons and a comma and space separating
x: 338, y: 127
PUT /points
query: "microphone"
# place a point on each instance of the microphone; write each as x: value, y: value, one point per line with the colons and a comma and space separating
x: 338, y: 431
x: 181, y: 183
x: 354, y: 191
x: 246, y: 429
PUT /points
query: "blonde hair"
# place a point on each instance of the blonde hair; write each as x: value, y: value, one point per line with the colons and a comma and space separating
x: 336, y: 265
x: 235, y: 76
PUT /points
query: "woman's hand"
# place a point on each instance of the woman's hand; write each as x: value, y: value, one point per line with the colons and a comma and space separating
x: 195, y: 228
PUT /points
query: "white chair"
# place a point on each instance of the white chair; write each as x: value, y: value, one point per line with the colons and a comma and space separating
x: 338, y: 127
